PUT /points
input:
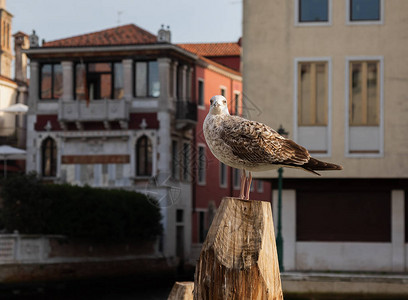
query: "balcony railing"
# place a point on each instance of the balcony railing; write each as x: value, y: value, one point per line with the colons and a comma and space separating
x: 98, y: 110
x: 186, y: 115
x: 186, y: 111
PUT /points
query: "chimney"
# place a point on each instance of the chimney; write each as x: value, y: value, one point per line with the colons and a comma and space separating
x: 2, y: 4
x: 164, y: 35
x: 33, y: 40
x: 21, y: 42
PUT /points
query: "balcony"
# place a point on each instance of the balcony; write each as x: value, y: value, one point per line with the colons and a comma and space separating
x: 186, y: 115
x: 98, y: 110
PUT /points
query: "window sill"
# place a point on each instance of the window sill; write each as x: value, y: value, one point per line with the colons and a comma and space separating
x: 312, y: 24
x: 364, y: 154
x: 373, y: 22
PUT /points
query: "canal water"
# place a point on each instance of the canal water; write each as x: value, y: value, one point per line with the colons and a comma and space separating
x: 88, y: 290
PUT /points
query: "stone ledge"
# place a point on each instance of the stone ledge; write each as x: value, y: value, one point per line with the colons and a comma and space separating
x: 313, y: 284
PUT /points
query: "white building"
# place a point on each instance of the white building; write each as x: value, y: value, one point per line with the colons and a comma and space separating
x: 113, y: 109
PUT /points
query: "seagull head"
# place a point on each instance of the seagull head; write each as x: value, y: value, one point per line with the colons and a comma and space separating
x: 218, y: 105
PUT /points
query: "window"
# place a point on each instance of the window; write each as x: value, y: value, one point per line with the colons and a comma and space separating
x: 200, y: 92
x: 179, y: 216
x: 99, y: 80
x: 364, y: 92
x: 236, y: 102
x: 186, y: 161
x: 201, y: 227
x: 237, y: 179
x: 4, y: 34
x: 201, y: 165
x: 313, y: 11
x: 364, y: 215
x: 8, y: 36
x: 312, y: 93
x: 259, y: 186
x: 222, y: 91
x: 49, y: 158
x: 175, y: 160
x: 364, y: 135
x: 144, y: 151
x: 51, y: 81
x: 80, y: 82
x: 118, y: 91
x: 147, y: 82
x: 179, y: 83
x: 223, y: 175
x: 365, y: 10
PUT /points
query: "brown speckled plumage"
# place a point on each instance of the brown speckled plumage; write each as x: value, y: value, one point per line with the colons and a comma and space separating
x: 253, y: 146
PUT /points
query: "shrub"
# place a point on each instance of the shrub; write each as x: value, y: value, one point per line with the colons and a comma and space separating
x: 32, y: 207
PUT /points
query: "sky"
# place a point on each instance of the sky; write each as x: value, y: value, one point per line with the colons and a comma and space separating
x: 190, y: 21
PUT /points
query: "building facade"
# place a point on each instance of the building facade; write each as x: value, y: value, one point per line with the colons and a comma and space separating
x: 13, y: 86
x: 111, y: 109
x: 333, y: 74
x: 218, y: 74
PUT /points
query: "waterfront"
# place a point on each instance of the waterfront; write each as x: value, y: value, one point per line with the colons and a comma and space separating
x: 101, y: 290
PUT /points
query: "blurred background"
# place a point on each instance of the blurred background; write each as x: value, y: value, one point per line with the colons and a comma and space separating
x: 108, y: 187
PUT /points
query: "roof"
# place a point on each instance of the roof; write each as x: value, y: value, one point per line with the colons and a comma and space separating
x: 220, y: 66
x: 20, y: 33
x: 213, y: 49
x: 123, y: 35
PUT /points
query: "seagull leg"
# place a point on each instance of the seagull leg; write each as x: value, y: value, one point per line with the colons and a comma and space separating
x: 243, y: 181
x: 249, y: 181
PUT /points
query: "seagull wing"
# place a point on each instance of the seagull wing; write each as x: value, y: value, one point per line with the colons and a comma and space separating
x: 259, y: 144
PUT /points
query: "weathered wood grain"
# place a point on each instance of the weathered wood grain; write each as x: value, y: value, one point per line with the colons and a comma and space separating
x: 239, y: 259
x: 182, y: 291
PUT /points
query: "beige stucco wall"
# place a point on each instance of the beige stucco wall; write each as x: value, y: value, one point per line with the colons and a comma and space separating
x: 272, y: 41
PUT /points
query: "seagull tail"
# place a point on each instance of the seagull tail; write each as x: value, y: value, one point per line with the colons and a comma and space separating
x: 317, y: 165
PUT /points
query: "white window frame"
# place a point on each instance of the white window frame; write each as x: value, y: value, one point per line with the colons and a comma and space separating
x: 221, y: 167
x: 198, y: 95
x: 350, y: 22
x: 328, y: 60
x: 346, y: 109
x: 202, y: 182
x: 329, y: 15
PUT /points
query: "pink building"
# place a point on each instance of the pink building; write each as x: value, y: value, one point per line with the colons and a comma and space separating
x: 219, y: 75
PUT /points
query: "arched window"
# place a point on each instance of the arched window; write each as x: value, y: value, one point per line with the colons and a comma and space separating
x: 144, y: 155
x: 49, y: 158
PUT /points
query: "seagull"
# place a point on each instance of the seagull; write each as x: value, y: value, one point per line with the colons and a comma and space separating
x: 252, y: 146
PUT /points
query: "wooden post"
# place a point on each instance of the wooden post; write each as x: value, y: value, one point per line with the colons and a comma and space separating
x: 182, y: 291
x: 238, y: 259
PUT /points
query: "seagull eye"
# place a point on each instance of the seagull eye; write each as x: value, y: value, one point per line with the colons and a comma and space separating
x: 224, y: 101
x: 211, y: 101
